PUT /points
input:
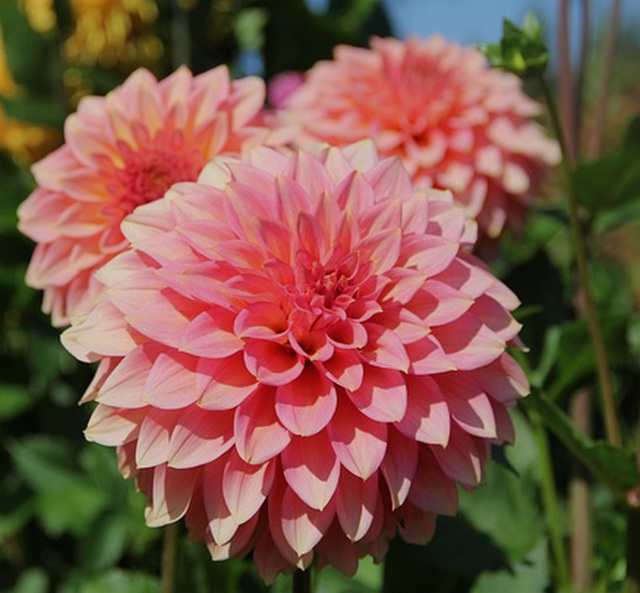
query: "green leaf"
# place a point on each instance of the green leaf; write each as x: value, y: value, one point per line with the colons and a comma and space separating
x: 32, y: 580
x: 26, y: 51
x: 109, y: 538
x: 505, y: 509
x: 632, y: 134
x: 530, y: 575
x: 45, y: 112
x: 521, y: 50
x: 117, y: 580
x: 14, y: 399
x: 368, y: 579
x: 12, y: 522
x: 66, y: 500
x: 615, y: 216
x: 610, y: 181
x: 615, y: 467
x: 567, y: 356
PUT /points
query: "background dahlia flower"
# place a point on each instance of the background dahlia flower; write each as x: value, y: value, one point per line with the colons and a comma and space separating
x: 456, y: 124
x: 298, y: 355
x: 121, y: 151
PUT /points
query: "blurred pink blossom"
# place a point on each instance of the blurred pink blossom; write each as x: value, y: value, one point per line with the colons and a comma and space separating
x: 455, y: 123
x: 121, y: 151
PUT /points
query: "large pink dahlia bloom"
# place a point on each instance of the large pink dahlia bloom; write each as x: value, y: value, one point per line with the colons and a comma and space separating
x: 299, y: 355
x: 456, y: 124
x: 121, y: 151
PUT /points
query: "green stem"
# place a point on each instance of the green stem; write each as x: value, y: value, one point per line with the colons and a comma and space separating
x: 550, y: 503
x: 169, y: 559
x: 593, y: 321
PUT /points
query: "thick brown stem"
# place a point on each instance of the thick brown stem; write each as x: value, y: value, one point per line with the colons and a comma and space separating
x: 590, y: 311
x: 602, y: 98
x: 565, y: 83
x: 180, y: 35
x: 580, y: 501
x: 585, y: 41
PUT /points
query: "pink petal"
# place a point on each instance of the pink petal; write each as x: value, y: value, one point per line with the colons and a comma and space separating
x: 356, y: 504
x: 104, y: 332
x: 399, y: 466
x: 468, y: 343
x: 311, y: 469
x: 359, y: 443
x: 125, y: 386
x: 382, y: 396
x: 306, y: 405
x: 222, y: 525
x: 171, y: 382
x: 503, y: 379
x: 347, y: 334
x: 431, y: 490
x: 302, y: 526
x: 259, y: 435
x: 245, y: 487
x: 415, y: 526
x: 209, y: 335
x: 199, y: 437
x: 405, y: 283
x: 153, y: 441
x: 382, y: 249
x: 468, y: 404
x: 460, y: 460
x: 171, y: 494
x: 345, y: 369
x: 238, y: 545
x: 114, y: 426
x: 271, y: 363
x: 389, y: 177
x: 427, y: 253
x: 496, y: 318
x: 334, y: 549
x: 438, y: 303
x: 269, y: 561
x: 225, y: 383
x: 427, y: 418
x: 384, y: 349
x: 427, y: 357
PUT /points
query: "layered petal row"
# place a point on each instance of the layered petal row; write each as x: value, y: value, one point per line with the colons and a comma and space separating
x: 300, y: 356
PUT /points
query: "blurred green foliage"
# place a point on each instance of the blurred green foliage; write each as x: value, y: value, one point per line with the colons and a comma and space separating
x: 70, y: 524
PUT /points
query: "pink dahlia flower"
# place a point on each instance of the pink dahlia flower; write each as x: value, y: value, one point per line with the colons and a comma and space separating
x: 456, y: 124
x: 121, y: 151
x: 299, y: 356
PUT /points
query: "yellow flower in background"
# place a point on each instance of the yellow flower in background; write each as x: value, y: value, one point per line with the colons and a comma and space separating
x: 40, y: 14
x: 25, y: 141
x: 109, y: 32
x: 105, y: 32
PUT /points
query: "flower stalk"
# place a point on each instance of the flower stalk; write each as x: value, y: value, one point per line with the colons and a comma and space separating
x: 169, y: 559
x: 595, y: 328
x: 302, y: 581
x: 550, y: 503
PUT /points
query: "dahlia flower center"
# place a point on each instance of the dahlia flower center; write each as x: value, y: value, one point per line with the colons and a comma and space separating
x: 150, y: 171
x: 332, y: 286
